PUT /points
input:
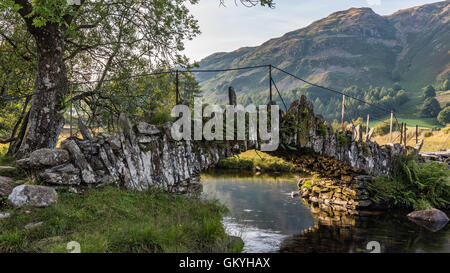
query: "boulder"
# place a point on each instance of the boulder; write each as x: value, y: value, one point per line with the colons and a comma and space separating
x: 43, y: 158
x: 6, y: 186
x: 429, y: 215
x: 33, y: 196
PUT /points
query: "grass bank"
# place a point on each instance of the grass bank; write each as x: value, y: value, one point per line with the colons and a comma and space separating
x: 114, y: 220
x: 253, y: 160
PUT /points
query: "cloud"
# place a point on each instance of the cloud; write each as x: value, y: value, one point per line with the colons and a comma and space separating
x: 374, y: 2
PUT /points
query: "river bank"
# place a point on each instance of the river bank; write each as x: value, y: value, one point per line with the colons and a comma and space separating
x: 114, y: 220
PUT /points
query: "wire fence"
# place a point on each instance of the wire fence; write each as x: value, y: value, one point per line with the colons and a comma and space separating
x: 92, y: 91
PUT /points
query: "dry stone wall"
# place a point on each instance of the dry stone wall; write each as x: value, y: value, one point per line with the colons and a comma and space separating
x: 143, y: 156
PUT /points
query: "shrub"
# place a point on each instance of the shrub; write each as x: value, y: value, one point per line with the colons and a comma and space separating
x: 430, y: 108
x: 429, y: 92
x: 444, y: 116
x: 413, y: 185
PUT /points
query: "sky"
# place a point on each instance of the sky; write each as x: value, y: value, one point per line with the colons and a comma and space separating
x: 225, y: 29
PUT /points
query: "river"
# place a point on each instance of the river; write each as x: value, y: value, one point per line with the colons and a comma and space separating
x: 268, y: 219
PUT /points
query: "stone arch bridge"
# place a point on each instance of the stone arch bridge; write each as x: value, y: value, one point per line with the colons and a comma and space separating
x: 143, y: 156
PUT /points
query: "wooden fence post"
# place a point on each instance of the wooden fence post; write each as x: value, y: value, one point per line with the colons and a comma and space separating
x: 270, y: 83
x: 401, y: 132
x: 405, y: 134
x: 343, y: 112
x: 367, y: 124
x: 417, y: 133
x: 390, y: 128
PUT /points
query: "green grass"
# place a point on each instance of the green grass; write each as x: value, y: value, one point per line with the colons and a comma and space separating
x: 257, y: 161
x: 114, y: 220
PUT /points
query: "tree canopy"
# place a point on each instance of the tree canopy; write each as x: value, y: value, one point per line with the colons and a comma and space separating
x: 430, y: 108
x: 83, y: 45
x: 429, y: 92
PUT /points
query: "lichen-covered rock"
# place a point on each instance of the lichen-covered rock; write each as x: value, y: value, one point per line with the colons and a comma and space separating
x: 147, y: 129
x: 6, y: 186
x: 43, y: 158
x: 32, y: 196
x: 79, y: 159
x: 62, y: 175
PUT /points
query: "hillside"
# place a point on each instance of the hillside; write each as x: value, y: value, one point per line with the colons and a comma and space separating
x: 351, y: 47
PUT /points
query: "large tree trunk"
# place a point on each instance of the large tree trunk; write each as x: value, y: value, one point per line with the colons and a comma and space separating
x: 46, y: 120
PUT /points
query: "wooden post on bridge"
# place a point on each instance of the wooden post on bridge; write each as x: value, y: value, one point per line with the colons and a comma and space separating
x: 367, y: 124
x: 270, y: 83
x: 405, y: 140
x: 343, y: 112
x: 417, y: 133
x: 401, y: 133
x: 390, y: 128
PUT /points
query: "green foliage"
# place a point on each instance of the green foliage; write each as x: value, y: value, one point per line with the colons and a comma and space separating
x: 446, y: 85
x: 342, y: 140
x: 397, y: 87
x: 113, y: 220
x: 444, y: 116
x: 429, y: 92
x: 430, y: 108
x: 413, y: 185
x: 307, y: 184
x: 383, y: 128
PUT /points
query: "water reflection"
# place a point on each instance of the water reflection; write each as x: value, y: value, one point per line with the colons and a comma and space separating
x: 269, y: 220
x: 262, y: 211
x: 393, y: 231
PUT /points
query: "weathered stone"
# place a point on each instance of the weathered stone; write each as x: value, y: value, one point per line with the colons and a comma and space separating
x: 6, y: 186
x: 32, y: 196
x: 43, y: 158
x: 430, y: 215
x: 4, y: 215
x: 363, y: 203
x: 114, y: 142
x: 84, y: 130
x: 62, y: 175
x: 126, y: 127
x: 33, y: 225
x: 87, y: 173
x: 147, y: 129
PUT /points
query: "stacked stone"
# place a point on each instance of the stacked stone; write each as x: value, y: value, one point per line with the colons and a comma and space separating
x: 348, y: 194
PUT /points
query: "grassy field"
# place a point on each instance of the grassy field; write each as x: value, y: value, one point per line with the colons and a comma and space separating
x: 433, y: 140
x: 257, y: 161
x: 113, y: 220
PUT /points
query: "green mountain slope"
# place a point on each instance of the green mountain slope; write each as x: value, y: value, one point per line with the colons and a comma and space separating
x: 351, y: 47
